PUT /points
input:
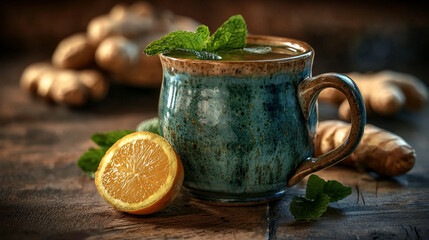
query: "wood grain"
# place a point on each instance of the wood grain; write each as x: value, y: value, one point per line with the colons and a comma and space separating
x: 44, y: 195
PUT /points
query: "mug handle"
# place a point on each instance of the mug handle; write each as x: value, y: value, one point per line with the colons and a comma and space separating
x: 308, y: 91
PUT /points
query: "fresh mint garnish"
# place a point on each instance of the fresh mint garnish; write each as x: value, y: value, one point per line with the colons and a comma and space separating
x: 174, y: 41
x: 202, y: 55
x: 231, y: 35
x: 317, y: 197
x: 204, y: 33
x: 90, y: 160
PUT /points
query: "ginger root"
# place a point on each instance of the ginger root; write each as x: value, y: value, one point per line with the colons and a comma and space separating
x: 31, y: 76
x: 384, y: 93
x: 64, y: 86
x: 124, y: 59
x: 130, y: 22
x: 113, y: 44
x: 379, y: 150
x: 73, y: 52
x: 123, y: 56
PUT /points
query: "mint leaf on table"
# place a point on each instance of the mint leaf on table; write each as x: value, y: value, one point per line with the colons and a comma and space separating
x: 317, y: 197
x: 108, y: 139
x: 151, y: 125
x: 307, y: 209
x: 314, y: 186
x: 336, y: 191
x: 231, y: 35
x: 89, y: 161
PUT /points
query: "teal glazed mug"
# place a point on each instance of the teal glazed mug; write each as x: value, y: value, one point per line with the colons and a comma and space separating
x: 244, y: 129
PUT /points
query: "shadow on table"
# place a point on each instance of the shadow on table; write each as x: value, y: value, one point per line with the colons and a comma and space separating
x: 185, y: 213
x: 331, y: 213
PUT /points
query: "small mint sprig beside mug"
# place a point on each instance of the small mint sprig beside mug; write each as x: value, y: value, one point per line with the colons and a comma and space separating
x: 90, y: 160
x: 318, y: 195
x: 230, y: 36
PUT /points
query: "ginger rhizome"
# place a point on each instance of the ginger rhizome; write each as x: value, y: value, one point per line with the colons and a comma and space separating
x: 64, y: 86
x: 111, y: 48
x: 379, y: 151
x: 384, y: 93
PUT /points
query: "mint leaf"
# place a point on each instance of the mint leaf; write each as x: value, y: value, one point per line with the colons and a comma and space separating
x: 203, y: 32
x: 151, y: 125
x: 202, y: 55
x: 307, y: 209
x: 315, y: 186
x: 109, y: 138
x: 89, y: 161
x: 184, y: 41
x: 317, y: 197
x: 258, y: 49
x: 336, y: 191
x: 174, y: 41
x: 231, y: 35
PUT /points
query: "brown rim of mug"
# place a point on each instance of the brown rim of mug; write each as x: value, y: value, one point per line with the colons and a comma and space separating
x: 306, y: 50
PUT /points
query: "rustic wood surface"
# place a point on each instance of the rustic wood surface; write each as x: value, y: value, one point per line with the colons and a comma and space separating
x: 43, y: 194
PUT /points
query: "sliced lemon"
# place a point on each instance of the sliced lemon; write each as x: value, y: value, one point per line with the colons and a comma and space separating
x: 140, y: 174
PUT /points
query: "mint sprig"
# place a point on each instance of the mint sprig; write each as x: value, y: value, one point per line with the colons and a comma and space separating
x: 204, y: 33
x: 318, y: 195
x: 303, y: 208
x: 109, y: 138
x: 174, y: 41
x: 90, y: 160
x: 231, y: 35
x: 315, y: 186
x: 203, y: 55
x: 336, y: 191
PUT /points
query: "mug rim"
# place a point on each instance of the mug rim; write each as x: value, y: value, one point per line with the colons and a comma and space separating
x: 307, y: 50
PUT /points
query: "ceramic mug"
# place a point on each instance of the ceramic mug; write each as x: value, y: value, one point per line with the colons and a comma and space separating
x: 244, y: 129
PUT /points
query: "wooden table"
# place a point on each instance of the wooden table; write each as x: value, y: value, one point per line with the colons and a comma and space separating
x: 44, y: 195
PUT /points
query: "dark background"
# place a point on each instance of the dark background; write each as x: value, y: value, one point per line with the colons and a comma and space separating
x: 346, y: 35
